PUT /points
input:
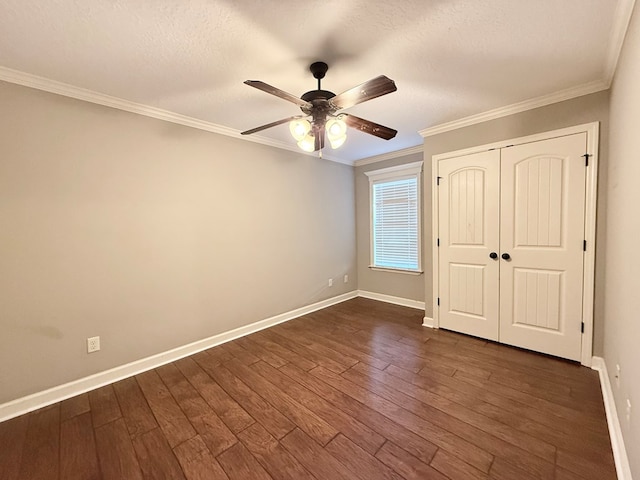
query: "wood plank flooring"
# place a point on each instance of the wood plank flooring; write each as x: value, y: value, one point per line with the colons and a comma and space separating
x: 359, y: 390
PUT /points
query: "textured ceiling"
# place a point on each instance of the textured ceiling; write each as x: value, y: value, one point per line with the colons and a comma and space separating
x: 449, y: 58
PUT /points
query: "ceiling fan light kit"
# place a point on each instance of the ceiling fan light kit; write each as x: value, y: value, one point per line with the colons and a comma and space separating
x: 308, y: 143
x: 299, y: 128
x: 321, y: 106
x: 336, y: 132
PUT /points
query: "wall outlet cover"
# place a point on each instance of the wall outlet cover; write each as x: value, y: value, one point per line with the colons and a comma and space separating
x: 93, y: 344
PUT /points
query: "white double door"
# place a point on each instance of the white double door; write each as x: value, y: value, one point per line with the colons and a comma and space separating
x: 511, y: 232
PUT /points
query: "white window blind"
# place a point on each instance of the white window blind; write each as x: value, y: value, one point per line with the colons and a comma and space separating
x: 395, y: 218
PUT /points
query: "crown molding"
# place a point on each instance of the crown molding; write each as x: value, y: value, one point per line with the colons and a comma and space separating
x: 560, y: 96
x: 331, y: 158
x: 71, y: 91
x: 621, y: 19
x: 59, y: 88
x: 389, y: 156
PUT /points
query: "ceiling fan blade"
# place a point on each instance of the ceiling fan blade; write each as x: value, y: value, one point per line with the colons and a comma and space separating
x: 369, y: 127
x: 272, y: 124
x: 374, y: 88
x: 277, y: 92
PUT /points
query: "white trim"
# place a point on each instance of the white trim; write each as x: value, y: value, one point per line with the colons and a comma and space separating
x: 519, y: 107
x: 408, y: 169
x: 428, y: 322
x: 396, y: 270
x: 404, y: 302
x: 590, y: 213
x: 389, y: 156
x: 592, y: 131
x: 398, y: 172
x: 615, y: 432
x: 64, y: 89
x: 621, y: 19
x: 435, y: 257
x: 56, y: 394
x: 562, y: 132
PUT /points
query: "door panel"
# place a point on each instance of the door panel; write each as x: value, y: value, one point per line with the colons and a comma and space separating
x: 538, y: 196
x: 537, y: 295
x: 469, y: 231
x: 466, y: 288
x: 542, y: 228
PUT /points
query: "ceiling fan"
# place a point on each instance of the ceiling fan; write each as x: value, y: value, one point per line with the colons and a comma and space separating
x: 323, y: 106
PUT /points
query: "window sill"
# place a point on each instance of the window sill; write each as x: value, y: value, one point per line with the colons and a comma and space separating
x: 396, y: 270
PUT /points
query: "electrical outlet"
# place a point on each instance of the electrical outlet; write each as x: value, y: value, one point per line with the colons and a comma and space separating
x: 93, y: 344
x: 617, y: 376
x: 346, y: 278
x: 331, y: 282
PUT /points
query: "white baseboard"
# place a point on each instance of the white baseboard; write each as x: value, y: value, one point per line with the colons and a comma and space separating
x: 405, y: 302
x: 428, y: 322
x: 56, y: 394
x: 615, y: 432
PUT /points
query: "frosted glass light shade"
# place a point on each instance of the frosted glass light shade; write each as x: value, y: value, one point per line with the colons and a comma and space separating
x: 336, y: 128
x: 308, y: 143
x: 336, y: 132
x: 299, y: 128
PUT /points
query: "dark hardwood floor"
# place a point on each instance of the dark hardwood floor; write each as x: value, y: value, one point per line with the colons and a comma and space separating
x: 359, y: 390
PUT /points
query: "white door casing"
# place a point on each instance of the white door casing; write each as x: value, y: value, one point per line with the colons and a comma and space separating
x: 549, y: 264
x: 469, y: 189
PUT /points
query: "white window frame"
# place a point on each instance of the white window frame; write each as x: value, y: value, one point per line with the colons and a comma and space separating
x: 399, y: 172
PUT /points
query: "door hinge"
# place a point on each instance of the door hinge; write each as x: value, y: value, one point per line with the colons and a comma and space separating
x: 438, y: 301
x: 584, y: 245
x: 438, y: 242
x: 582, y: 327
x: 438, y: 180
x: 586, y: 159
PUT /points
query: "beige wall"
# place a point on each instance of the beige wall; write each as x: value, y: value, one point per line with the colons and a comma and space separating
x: 577, y: 111
x: 150, y: 235
x: 622, y: 298
x: 388, y: 283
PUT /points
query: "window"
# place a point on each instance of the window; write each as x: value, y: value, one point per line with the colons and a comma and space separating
x: 395, y: 218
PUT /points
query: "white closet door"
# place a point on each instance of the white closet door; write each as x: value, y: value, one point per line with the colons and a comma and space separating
x: 469, y: 231
x: 542, y: 230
